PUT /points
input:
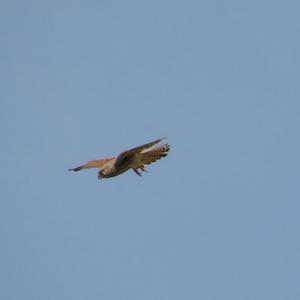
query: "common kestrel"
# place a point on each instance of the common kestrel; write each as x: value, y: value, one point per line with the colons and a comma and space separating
x: 134, y: 159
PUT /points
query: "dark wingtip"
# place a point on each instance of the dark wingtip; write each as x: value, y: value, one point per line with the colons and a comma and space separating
x: 75, y: 169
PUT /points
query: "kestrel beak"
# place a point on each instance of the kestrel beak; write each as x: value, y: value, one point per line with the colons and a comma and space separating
x: 100, y: 176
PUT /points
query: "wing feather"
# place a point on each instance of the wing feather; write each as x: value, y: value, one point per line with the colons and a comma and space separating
x: 151, y: 156
x: 98, y: 163
x: 126, y: 157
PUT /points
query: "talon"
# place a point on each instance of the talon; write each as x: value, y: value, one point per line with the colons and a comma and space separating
x: 137, y: 172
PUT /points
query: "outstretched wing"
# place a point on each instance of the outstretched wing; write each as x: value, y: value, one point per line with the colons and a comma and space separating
x: 99, y: 163
x: 126, y: 157
x: 151, y: 156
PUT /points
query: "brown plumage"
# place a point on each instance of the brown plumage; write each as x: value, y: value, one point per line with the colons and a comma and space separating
x: 134, y: 159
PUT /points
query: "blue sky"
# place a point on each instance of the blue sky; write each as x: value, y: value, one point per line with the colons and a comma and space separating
x: 218, y: 218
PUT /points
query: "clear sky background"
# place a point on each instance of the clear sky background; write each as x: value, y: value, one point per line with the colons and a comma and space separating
x: 218, y: 218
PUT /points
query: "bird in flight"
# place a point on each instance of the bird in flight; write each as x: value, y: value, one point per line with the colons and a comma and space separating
x: 134, y: 159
